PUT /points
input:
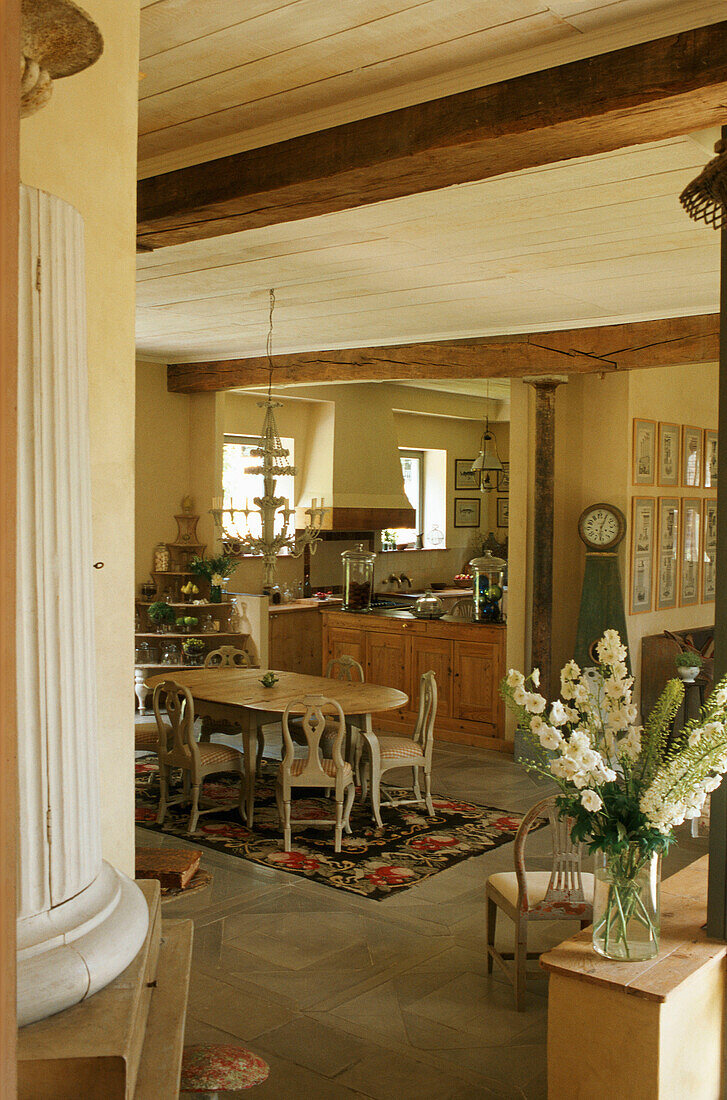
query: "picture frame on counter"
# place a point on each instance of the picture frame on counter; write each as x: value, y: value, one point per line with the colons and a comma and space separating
x: 644, y: 452
x: 711, y: 454
x: 669, y: 454
x: 667, y: 553
x: 466, y: 512
x: 503, y: 512
x: 691, y: 457
x: 464, y: 476
x: 709, y: 556
x: 691, y: 519
x: 503, y: 478
x: 643, y: 515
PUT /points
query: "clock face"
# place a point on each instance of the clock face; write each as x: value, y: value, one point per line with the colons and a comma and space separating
x: 602, y: 526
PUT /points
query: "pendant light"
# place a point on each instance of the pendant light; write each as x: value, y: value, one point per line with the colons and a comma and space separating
x: 488, y: 460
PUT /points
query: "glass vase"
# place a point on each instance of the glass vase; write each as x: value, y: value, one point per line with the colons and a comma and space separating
x: 626, y: 913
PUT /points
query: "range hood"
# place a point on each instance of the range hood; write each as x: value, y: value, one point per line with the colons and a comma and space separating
x: 352, y: 461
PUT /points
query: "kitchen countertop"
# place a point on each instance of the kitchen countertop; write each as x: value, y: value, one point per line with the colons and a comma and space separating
x: 407, y: 617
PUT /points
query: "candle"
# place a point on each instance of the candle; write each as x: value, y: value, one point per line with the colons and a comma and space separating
x: 315, y: 501
x: 322, y: 503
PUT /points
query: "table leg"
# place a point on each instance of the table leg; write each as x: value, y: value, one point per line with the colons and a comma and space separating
x: 249, y: 741
x: 375, y: 765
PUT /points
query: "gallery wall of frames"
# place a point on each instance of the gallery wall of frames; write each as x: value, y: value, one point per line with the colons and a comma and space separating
x: 673, y: 516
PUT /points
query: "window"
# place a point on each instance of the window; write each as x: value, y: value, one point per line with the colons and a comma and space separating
x: 412, y: 468
x: 239, y: 489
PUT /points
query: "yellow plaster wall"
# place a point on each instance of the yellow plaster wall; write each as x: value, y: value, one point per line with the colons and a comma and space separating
x: 82, y: 147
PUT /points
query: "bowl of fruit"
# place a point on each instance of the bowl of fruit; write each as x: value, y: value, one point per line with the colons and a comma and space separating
x: 463, y: 580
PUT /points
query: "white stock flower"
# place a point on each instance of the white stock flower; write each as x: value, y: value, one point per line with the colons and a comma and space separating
x: 719, y: 697
x: 216, y: 580
x: 591, y: 801
x: 712, y: 783
x: 534, y: 703
x: 535, y: 677
x: 537, y: 724
x: 581, y: 694
x: 514, y: 679
x: 520, y: 695
x: 550, y: 738
x: 558, y: 714
x: 695, y: 737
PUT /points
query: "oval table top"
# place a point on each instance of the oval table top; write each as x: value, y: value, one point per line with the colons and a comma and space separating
x: 241, y: 687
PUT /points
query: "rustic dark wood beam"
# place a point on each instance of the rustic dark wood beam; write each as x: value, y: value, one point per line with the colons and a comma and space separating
x: 642, y: 93
x: 675, y: 340
x: 543, y: 525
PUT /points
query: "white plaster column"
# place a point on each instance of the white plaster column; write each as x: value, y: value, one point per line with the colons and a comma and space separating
x: 80, y: 922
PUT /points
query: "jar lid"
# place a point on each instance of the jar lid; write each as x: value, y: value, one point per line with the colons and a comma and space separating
x: 429, y: 606
x: 487, y: 563
x: 359, y: 554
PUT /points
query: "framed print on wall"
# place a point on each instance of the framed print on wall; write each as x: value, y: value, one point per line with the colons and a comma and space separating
x: 503, y: 478
x: 710, y: 459
x: 690, y: 530
x: 691, y: 456
x: 669, y: 451
x: 667, y: 553
x: 464, y: 476
x: 644, y: 456
x: 642, y: 554
x: 709, y: 557
x: 503, y: 511
x: 466, y: 512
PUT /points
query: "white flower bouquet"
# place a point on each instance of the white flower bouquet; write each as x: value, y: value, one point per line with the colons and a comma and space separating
x: 625, y: 787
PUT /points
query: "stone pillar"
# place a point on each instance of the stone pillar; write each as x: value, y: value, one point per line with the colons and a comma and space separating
x: 80, y: 922
x: 542, y: 617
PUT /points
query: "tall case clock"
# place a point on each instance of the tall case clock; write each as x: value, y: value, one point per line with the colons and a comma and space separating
x: 602, y: 528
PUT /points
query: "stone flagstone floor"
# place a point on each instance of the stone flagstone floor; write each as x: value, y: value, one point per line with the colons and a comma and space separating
x: 346, y: 997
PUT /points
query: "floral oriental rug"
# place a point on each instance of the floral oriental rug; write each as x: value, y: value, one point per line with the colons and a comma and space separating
x: 374, y: 863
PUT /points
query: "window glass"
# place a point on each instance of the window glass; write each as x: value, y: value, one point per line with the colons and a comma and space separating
x: 239, y: 489
x: 412, y: 468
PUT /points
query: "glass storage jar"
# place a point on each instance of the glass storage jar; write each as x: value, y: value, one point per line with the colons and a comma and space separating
x: 358, y: 579
x: 487, y: 573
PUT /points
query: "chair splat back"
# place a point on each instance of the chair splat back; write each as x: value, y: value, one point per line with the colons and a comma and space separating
x: 313, y: 724
x: 345, y: 668
x: 566, y: 883
x: 227, y: 656
x: 424, y: 728
x: 179, y: 707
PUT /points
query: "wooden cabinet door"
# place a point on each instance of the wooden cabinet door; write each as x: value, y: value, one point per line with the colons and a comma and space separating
x: 477, y: 675
x: 344, y: 642
x: 295, y: 642
x: 434, y: 654
x: 388, y: 662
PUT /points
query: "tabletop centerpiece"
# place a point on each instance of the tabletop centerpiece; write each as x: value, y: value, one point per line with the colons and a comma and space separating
x: 623, y: 787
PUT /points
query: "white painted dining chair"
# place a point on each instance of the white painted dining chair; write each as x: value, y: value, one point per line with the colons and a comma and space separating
x: 338, y: 668
x: 228, y: 656
x: 562, y: 893
x: 392, y: 751
x: 179, y: 748
x: 331, y: 773
x: 463, y: 609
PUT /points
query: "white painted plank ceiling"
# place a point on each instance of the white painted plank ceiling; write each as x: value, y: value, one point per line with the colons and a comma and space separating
x: 590, y: 241
x: 224, y: 75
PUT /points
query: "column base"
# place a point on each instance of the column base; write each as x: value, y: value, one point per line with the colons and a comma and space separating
x: 68, y: 953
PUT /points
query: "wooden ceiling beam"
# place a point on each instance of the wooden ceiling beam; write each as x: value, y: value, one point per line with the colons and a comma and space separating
x: 669, y: 342
x: 642, y: 93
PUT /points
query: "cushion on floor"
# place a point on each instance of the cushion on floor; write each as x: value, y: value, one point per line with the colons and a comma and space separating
x: 208, y: 1067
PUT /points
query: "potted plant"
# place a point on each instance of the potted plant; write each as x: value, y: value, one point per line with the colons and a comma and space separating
x: 161, y: 614
x: 623, y: 788
x: 217, y: 571
x: 193, y: 650
x: 689, y: 664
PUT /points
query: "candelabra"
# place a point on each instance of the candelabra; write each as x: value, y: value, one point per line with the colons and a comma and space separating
x: 269, y: 507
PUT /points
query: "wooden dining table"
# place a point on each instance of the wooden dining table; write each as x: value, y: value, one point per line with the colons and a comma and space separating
x: 236, y: 695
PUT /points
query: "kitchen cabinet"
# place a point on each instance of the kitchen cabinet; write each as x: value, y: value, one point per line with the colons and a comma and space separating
x: 388, y: 661
x: 468, y: 660
x: 295, y: 639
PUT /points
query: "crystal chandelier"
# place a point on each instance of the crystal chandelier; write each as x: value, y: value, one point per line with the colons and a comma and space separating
x: 274, y: 511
